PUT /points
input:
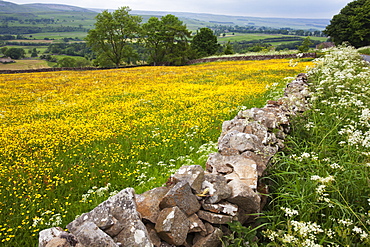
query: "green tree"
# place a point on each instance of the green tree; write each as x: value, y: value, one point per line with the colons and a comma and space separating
x: 66, y: 62
x: 3, y: 49
x: 113, y: 35
x: 15, y: 53
x: 228, y: 49
x: 352, y: 24
x: 166, y: 40
x: 34, y: 52
x: 305, y: 46
x: 205, y: 42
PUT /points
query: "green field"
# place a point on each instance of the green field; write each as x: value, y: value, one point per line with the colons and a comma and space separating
x: 237, y: 37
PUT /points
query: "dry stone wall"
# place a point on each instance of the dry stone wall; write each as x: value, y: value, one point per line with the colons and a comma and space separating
x: 195, y: 204
x: 254, y: 57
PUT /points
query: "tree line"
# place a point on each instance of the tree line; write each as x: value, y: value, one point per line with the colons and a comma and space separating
x: 119, y: 37
x: 222, y: 29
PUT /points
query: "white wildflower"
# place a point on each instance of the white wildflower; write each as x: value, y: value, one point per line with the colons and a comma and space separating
x: 289, y: 212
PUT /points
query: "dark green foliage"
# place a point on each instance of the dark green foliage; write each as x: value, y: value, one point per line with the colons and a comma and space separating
x: 113, y: 34
x: 166, y: 40
x: 352, y: 24
x: 205, y: 43
x: 15, y: 53
x: 73, y: 62
x: 228, y: 49
x: 305, y: 45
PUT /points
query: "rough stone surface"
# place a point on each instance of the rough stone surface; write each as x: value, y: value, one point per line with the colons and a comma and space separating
x: 58, y: 242
x: 217, y: 188
x: 216, y: 164
x: 148, y: 203
x: 243, y: 196
x: 211, y: 240
x: 215, y: 218
x: 181, y: 196
x: 154, y: 238
x: 239, y: 142
x: 193, y: 174
x: 221, y: 208
x: 119, y: 211
x: 89, y: 234
x: 196, y: 225
x: 172, y: 226
x: 45, y: 236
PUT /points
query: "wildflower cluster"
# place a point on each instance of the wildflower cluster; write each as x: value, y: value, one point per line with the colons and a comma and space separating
x: 324, y: 171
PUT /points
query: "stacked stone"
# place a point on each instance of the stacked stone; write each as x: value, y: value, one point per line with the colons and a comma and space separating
x: 195, y: 203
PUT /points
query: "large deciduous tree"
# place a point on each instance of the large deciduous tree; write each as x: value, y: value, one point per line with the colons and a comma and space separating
x: 113, y: 35
x: 167, y: 40
x: 352, y: 24
x: 205, y: 42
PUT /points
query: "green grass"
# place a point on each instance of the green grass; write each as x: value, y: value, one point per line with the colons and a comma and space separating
x: 25, y: 64
x: 320, y: 183
x: 237, y: 37
x: 364, y: 50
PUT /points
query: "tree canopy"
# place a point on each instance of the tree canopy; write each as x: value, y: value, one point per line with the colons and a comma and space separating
x: 205, y: 42
x: 352, y: 24
x: 166, y: 40
x: 113, y: 35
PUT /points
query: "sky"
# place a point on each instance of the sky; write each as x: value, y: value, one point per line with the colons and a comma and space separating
x: 324, y: 9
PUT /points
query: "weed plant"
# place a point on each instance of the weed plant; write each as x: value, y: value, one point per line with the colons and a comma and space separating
x: 320, y: 184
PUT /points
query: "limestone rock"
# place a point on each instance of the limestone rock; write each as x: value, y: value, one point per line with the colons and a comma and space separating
x: 181, y: 196
x: 222, y: 207
x: 243, y: 196
x: 239, y: 141
x: 148, y: 203
x: 172, y: 226
x: 211, y: 240
x: 154, y: 238
x: 45, y: 236
x: 89, y: 234
x: 217, y: 188
x: 118, y: 217
x: 236, y: 166
x: 215, y: 218
x: 193, y: 174
x: 216, y: 164
x: 196, y: 225
x: 233, y: 125
x: 260, y: 159
x: 58, y: 242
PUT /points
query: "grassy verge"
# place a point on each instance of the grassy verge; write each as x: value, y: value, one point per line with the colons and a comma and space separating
x: 320, y: 183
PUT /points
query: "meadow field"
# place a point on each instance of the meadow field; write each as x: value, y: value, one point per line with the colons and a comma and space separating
x: 70, y: 139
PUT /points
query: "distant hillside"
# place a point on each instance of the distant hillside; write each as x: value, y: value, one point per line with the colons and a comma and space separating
x: 12, y: 8
x: 55, y: 7
x: 211, y: 19
x: 192, y: 20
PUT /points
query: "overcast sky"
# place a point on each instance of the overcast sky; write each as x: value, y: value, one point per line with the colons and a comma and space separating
x: 258, y: 8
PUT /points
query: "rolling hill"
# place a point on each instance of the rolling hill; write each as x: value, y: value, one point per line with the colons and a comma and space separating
x: 193, y: 20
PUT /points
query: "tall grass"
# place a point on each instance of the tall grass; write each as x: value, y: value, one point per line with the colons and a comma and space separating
x: 320, y: 184
x: 68, y: 140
